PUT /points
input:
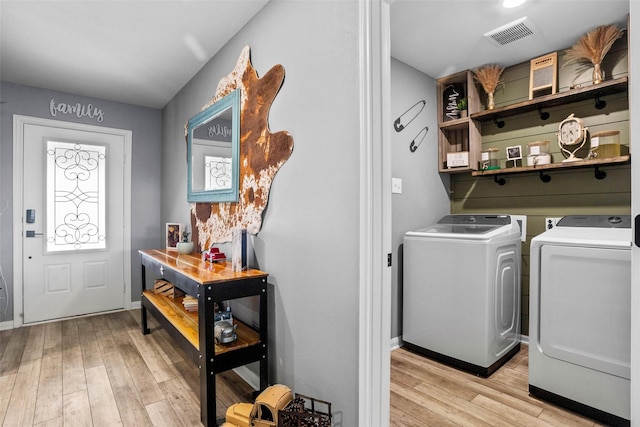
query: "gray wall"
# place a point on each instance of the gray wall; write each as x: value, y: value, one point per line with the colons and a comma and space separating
x: 146, y: 228
x: 425, y: 193
x: 309, y: 242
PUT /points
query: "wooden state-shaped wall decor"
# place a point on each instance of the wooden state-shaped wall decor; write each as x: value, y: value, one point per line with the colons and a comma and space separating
x: 262, y: 153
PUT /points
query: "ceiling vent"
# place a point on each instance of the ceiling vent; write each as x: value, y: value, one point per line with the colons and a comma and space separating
x: 511, y: 32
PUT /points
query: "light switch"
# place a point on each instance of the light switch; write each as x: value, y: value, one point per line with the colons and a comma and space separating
x: 396, y: 185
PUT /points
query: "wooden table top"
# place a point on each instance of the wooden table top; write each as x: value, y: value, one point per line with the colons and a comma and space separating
x: 199, y: 270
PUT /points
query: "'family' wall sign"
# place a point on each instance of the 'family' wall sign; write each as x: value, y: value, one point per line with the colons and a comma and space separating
x: 77, y: 109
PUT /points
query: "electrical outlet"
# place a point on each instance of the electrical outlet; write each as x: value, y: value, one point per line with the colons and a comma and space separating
x: 551, y: 222
x: 522, y: 222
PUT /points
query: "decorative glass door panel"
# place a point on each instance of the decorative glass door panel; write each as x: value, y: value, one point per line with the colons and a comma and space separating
x: 75, y: 196
x: 217, y: 173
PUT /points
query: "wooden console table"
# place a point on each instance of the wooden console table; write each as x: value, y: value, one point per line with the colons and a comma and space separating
x: 194, y: 331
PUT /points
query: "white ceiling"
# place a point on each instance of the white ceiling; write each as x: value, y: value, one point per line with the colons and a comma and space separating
x: 138, y: 51
x: 144, y: 51
x: 441, y: 37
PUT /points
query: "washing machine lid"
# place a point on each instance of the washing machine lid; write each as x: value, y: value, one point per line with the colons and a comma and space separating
x: 472, y: 227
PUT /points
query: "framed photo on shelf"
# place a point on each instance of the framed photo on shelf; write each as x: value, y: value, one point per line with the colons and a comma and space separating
x: 514, y: 152
x: 514, y: 156
x: 173, y: 235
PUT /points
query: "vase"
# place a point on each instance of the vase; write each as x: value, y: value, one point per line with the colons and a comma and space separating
x: 463, y: 114
x: 598, y: 74
x: 490, y: 103
x: 184, y: 247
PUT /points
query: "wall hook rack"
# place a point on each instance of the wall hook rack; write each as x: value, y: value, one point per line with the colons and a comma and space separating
x: 600, y: 104
x: 543, y: 114
x: 599, y: 174
x: 500, y: 123
x: 544, y: 178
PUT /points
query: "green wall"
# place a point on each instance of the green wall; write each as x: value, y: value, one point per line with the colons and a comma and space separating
x: 570, y: 191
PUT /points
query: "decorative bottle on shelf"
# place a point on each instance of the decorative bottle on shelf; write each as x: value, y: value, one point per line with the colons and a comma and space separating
x: 598, y: 74
x: 490, y: 102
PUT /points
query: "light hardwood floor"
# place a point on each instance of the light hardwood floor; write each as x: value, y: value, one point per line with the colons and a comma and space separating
x: 102, y: 371
x: 426, y: 393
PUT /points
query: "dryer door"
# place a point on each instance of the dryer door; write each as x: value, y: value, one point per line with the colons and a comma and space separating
x: 585, y: 307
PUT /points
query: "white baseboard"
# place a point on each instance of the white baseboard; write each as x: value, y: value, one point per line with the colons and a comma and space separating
x: 6, y: 325
x: 135, y: 305
x: 248, y: 376
x: 395, y: 343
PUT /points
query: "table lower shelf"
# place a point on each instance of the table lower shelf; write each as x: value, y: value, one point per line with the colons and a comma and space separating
x: 186, y: 323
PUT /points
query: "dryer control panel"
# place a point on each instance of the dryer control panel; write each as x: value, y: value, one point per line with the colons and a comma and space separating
x: 597, y: 221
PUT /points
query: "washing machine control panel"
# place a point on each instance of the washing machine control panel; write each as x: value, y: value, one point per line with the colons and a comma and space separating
x: 476, y: 219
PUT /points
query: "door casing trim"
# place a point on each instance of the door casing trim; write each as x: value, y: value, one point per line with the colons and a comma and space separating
x: 19, y: 122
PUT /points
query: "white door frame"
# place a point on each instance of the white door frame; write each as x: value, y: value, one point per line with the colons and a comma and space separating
x: 634, y: 117
x: 19, y: 122
x: 374, y: 284
x: 374, y: 350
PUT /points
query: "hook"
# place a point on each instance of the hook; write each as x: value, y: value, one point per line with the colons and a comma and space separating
x: 544, y: 178
x: 500, y: 123
x: 543, y: 114
x: 599, y: 174
x: 600, y: 104
x: 499, y: 181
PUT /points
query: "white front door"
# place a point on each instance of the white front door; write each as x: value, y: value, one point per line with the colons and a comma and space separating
x: 73, y: 220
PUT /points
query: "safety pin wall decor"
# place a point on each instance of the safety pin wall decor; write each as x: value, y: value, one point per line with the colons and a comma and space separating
x: 409, y: 116
x: 418, y: 139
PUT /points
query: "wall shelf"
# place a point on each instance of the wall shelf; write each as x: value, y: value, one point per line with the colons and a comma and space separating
x: 460, y: 134
x: 465, y: 134
x: 462, y: 123
x: 573, y: 95
x: 542, y: 169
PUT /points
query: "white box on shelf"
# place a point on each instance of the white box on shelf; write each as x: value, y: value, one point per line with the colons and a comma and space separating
x: 458, y: 159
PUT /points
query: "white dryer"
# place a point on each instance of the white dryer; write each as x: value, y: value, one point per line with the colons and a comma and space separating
x: 580, y: 316
x: 461, y: 291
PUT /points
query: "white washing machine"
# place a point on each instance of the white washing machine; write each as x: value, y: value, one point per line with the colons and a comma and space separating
x: 580, y: 316
x: 461, y: 291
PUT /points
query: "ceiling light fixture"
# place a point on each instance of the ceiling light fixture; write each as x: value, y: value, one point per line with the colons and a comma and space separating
x: 512, y: 3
